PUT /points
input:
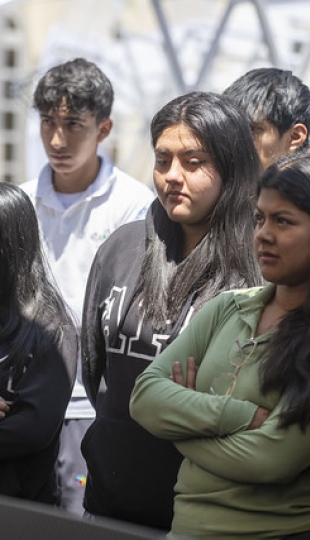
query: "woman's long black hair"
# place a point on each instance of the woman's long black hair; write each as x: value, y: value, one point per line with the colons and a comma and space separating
x: 286, y: 368
x: 224, y: 257
x: 32, y: 313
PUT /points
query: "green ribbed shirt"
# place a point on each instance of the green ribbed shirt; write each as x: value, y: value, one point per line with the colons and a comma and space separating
x: 233, y: 482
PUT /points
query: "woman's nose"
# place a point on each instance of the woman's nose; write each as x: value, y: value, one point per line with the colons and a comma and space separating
x: 175, y: 172
x: 264, y: 232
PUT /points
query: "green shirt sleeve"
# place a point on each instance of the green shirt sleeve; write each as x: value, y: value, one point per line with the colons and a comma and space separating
x: 169, y: 410
x: 265, y: 455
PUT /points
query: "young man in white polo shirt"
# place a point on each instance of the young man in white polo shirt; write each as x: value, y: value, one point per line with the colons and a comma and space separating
x: 80, y: 198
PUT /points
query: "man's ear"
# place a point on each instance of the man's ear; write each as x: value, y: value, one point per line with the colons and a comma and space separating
x: 298, y: 135
x: 105, y: 127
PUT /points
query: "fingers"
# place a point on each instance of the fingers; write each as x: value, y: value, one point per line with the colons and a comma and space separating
x: 259, y: 418
x: 191, y: 373
x: 4, y: 408
x: 177, y: 375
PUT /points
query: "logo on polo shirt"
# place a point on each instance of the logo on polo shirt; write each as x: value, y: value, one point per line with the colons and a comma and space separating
x: 99, y: 238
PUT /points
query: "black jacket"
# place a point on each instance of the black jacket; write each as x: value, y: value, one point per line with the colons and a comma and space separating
x: 131, y: 473
x: 29, y: 433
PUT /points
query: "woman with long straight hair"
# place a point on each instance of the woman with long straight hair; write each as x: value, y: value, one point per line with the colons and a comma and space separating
x: 37, y: 356
x: 146, y: 283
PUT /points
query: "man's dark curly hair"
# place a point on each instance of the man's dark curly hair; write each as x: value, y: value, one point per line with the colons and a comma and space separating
x: 83, y: 85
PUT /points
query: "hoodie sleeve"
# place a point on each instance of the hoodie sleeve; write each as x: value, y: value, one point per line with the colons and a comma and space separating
x: 117, y: 261
x: 92, y: 340
x: 41, y: 398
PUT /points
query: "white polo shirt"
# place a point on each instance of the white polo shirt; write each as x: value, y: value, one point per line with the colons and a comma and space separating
x: 72, y: 234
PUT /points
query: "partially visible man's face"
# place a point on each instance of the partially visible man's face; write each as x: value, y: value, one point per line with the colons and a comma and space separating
x: 70, y: 139
x: 269, y: 145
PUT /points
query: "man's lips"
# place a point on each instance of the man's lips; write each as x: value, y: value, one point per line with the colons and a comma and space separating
x: 60, y: 156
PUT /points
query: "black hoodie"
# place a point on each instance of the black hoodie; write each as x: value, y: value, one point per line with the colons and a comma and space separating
x: 29, y: 433
x: 131, y: 473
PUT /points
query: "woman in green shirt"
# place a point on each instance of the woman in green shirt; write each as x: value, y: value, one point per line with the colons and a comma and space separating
x: 245, y: 352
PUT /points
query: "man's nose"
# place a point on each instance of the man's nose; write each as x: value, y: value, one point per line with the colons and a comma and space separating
x: 58, y: 139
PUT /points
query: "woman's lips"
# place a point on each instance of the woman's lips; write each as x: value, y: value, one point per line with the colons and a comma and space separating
x: 267, y: 256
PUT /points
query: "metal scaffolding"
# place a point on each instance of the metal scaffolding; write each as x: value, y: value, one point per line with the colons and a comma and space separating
x: 205, y: 46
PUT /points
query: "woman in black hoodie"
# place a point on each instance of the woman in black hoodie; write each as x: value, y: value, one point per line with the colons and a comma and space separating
x: 149, y: 279
x: 37, y: 356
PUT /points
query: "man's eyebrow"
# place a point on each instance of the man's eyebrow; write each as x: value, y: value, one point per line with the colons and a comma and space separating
x: 74, y: 116
x: 70, y: 116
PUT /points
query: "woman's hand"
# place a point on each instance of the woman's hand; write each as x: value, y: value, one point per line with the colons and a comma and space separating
x: 4, y: 408
x: 191, y: 373
x: 189, y: 381
x: 259, y: 418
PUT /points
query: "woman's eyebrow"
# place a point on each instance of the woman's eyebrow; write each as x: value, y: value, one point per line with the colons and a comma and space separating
x: 199, y: 149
